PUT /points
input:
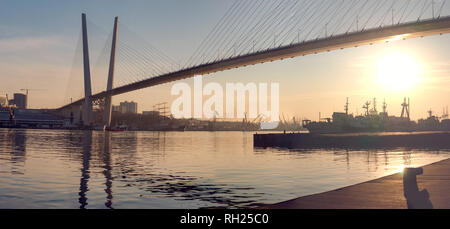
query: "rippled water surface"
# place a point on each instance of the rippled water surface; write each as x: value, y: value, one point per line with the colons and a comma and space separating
x: 83, y: 169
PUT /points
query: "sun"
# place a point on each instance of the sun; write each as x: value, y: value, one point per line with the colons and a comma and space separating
x: 399, y: 71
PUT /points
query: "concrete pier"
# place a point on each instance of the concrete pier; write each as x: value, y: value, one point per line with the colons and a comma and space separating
x: 428, y: 190
x: 358, y: 140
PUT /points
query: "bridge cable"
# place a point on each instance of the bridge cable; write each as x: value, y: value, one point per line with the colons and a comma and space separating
x: 230, y: 30
x: 369, y: 12
x: 244, y: 25
x: 272, y: 14
x: 211, y: 33
x: 158, y: 59
x: 413, y: 9
x: 424, y: 9
x: 248, y: 39
x: 405, y: 8
x: 351, y: 19
x: 313, y: 12
x: 76, y: 69
x: 375, y: 10
x: 210, y: 47
x: 442, y: 7
x: 149, y: 47
x: 302, y: 15
x: 270, y: 30
x: 292, y: 24
x: 343, y: 17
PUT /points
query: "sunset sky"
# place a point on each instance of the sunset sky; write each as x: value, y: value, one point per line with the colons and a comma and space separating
x: 38, y: 41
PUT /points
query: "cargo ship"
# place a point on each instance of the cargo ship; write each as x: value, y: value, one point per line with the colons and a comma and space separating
x: 374, y: 121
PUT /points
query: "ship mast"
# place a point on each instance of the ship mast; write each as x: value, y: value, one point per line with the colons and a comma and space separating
x: 366, y: 106
x: 346, y: 107
x: 384, y: 106
x: 444, y: 113
x: 375, y: 106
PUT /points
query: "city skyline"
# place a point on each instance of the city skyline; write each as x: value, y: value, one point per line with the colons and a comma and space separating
x: 47, y: 48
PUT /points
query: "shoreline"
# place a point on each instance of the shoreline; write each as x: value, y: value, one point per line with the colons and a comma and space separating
x: 383, y: 193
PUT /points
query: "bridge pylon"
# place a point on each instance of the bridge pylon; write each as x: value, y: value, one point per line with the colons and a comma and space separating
x: 87, y: 76
x: 110, y: 83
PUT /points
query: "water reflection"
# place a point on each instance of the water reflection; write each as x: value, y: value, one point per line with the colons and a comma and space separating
x: 106, y: 156
x: 374, y: 159
x: 179, y: 185
x: 343, y: 156
x: 86, y: 158
x: 178, y: 170
x: 13, y: 143
x: 184, y: 187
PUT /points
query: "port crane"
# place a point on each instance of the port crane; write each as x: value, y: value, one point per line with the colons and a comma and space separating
x: 284, y: 119
x: 405, y: 109
x: 247, y: 124
x: 7, y: 101
x: 257, y: 119
x: 245, y: 121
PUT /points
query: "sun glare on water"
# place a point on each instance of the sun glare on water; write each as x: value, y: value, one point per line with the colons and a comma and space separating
x: 399, y: 71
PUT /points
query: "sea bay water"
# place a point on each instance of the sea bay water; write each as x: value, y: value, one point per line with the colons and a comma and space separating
x: 93, y: 169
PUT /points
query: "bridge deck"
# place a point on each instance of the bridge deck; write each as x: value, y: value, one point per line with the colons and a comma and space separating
x: 376, y: 35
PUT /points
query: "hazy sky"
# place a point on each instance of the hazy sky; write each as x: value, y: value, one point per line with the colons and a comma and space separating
x: 38, y: 42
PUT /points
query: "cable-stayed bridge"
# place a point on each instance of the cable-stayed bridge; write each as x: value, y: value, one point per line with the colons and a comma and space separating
x: 258, y: 31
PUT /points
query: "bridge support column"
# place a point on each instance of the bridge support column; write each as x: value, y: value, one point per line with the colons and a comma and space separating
x: 87, y: 76
x: 108, y: 98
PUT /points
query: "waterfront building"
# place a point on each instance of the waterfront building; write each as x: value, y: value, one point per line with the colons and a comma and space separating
x: 30, y: 118
x: 126, y: 107
x: 116, y: 109
x: 20, y: 100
